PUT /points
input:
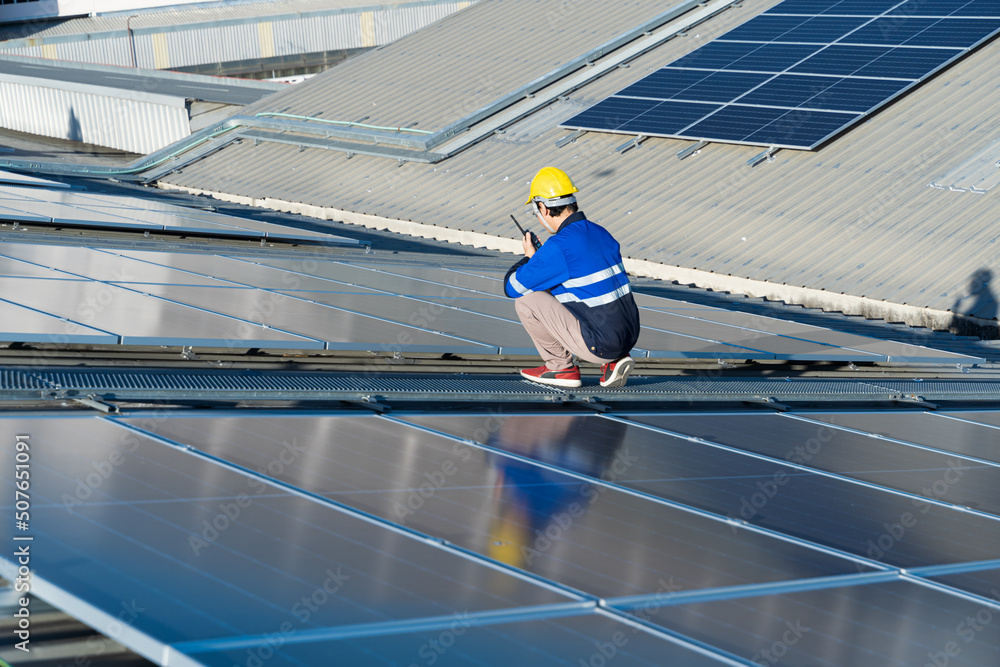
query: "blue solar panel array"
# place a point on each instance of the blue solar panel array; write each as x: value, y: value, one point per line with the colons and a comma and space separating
x: 353, y: 304
x: 702, y: 539
x: 799, y: 73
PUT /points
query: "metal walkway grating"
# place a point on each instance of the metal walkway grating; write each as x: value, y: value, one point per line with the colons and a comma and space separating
x: 140, y: 384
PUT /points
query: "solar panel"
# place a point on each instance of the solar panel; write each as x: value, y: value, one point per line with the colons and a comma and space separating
x: 798, y: 74
x: 26, y: 325
x: 954, y: 433
x: 894, y: 465
x: 988, y: 418
x: 356, y: 305
x: 285, y: 537
x: 360, y: 461
x: 835, y: 513
x: 118, y: 512
x: 853, y: 625
x: 112, y: 309
x: 15, y: 178
x: 758, y: 326
x: 69, y: 208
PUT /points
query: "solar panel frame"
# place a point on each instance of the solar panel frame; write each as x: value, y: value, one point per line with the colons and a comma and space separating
x: 564, y: 641
x: 134, y: 534
x: 851, y: 454
x: 850, y: 625
x: 409, y: 593
x: 877, y: 56
x: 983, y: 8
x: 359, y: 461
x: 822, y: 510
x: 62, y: 207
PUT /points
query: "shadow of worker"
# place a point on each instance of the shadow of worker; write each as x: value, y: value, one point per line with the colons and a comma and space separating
x: 75, y: 131
x: 980, y: 303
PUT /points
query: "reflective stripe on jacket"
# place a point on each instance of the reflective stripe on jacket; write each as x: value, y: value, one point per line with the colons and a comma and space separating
x: 581, y: 265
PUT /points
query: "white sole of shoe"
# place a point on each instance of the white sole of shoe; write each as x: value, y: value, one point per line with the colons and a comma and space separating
x: 554, y: 382
x: 619, y: 376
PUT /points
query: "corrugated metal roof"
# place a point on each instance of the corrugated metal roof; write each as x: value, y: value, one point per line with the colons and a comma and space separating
x: 225, y: 34
x: 435, y: 76
x: 93, y: 115
x: 249, y: 12
x: 141, y: 83
x: 856, y: 217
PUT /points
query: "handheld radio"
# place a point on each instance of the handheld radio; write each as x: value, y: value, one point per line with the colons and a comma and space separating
x: 534, y: 239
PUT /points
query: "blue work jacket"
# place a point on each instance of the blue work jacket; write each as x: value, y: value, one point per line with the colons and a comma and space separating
x: 581, y: 265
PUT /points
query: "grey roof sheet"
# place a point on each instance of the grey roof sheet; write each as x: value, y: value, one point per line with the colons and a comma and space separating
x: 161, y: 17
x: 140, y: 81
x: 856, y: 217
x: 460, y: 64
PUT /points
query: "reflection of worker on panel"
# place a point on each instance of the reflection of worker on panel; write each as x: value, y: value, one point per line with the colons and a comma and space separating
x: 536, y: 507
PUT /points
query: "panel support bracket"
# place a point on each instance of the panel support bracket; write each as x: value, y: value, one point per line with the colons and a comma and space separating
x: 592, y: 403
x: 691, y: 150
x: 570, y: 138
x: 371, y: 403
x: 917, y: 401
x: 93, y: 402
x: 630, y: 144
x: 769, y: 402
x: 760, y: 157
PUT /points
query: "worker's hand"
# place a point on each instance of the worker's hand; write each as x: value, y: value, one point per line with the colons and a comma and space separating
x: 529, y: 248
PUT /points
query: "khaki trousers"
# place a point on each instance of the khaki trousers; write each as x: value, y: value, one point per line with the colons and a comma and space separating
x: 554, y: 330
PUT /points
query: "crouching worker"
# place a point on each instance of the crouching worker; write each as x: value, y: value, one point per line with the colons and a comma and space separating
x: 572, y: 294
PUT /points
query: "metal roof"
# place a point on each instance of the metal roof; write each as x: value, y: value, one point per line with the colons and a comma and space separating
x: 136, y: 110
x: 234, y: 32
x: 422, y: 81
x: 858, y: 217
x: 139, y: 82
x: 248, y: 12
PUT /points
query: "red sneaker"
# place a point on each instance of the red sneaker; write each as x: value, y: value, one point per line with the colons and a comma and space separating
x: 567, y: 377
x: 616, y: 373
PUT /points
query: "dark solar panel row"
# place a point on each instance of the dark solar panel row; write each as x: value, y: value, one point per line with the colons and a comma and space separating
x: 485, y: 538
x: 798, y: 74
x: 194, y: 299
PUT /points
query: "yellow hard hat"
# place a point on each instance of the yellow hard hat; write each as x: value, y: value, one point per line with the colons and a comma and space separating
x: 552, y: 187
